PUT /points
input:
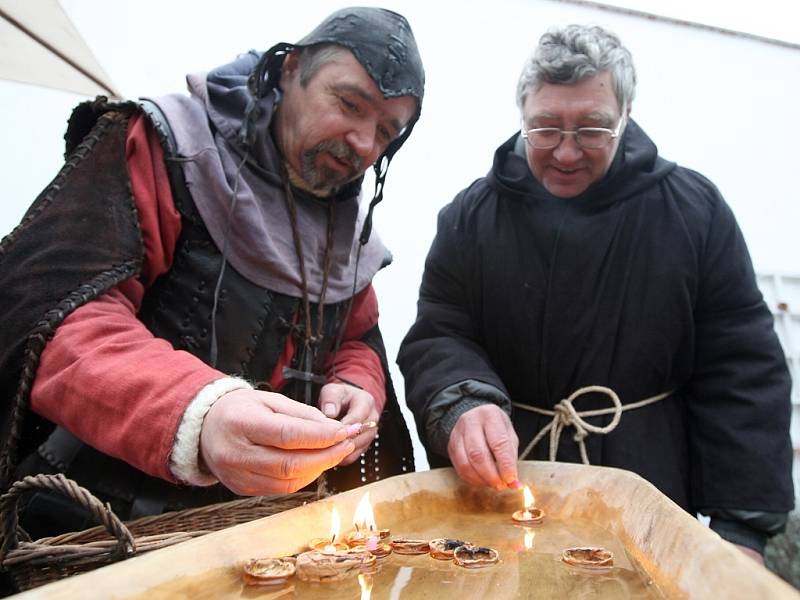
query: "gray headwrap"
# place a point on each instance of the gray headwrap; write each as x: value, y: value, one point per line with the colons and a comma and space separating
x: 382, y: 41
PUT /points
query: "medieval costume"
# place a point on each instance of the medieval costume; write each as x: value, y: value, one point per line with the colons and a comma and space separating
x: 643, y: 285
x: 172, y: 261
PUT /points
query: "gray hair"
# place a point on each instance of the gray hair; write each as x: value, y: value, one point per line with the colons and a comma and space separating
x: 313, y: 58
x: 568, y: 54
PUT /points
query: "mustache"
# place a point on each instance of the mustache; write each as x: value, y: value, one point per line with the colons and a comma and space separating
x: 340, y: 151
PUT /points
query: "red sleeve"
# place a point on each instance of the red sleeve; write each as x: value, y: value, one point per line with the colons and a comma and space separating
x: 104, y: 376
x: 356, y: 361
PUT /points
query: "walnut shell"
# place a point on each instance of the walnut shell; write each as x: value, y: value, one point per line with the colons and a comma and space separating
x: 268, y: 571
x: 588, y: 557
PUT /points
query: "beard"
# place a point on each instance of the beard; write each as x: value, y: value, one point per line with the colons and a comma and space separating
x: 322, y: 180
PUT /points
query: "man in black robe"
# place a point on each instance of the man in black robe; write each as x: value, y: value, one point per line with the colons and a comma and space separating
x: 586, y: 273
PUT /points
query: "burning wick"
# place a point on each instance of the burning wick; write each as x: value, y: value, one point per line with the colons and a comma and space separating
x: 365, y: 583
x: 531, y: 514
x: 366, y: 534
x: 335, y: 524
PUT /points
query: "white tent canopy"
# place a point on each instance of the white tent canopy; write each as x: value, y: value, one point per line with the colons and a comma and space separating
x: 39, y: 45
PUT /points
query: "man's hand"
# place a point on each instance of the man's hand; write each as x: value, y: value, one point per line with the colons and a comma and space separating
x: 350, y: 405
x: 483, y: 448
x: 264, y: 443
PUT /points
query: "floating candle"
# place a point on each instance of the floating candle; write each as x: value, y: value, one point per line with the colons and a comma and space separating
x: 531, y: 514
x: 332, y: 547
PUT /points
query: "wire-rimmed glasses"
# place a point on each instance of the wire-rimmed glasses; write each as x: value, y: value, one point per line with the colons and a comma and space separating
x: 589, y: 138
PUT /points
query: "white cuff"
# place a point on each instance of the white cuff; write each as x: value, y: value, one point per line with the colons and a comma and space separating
x: 183, y: 460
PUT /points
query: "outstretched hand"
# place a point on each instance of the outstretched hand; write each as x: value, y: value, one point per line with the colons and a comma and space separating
x: 351, y: 406
x: 483, y: 448
x: 258, y: 442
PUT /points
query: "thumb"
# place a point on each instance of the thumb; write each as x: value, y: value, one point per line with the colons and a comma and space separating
x: 332, y: 400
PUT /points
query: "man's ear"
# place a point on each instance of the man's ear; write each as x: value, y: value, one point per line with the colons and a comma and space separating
x: 290, y: 64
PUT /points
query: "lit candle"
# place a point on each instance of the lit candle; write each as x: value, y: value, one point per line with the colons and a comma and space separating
x: 531, y: 514
x: 363, y: 518
x: 529, y: 501
x: 366, y: 534
x: 335, y: 524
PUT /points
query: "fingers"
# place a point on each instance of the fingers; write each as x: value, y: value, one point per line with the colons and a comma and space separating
x: 362, y: 441
x: 458, y: 456
x: 503, y: 444
x: 259, y: 470
x: 270, y: 419
x: 483, y: 448
x: 347, y: 403
x: 281, y: 404
x: 259, y: 442
x: 292, y: 433
x: 252, y: 448
x: 480, y: 457
x: 332, y: 399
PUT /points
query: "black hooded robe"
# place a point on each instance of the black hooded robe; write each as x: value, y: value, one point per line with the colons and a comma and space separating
x: 643, y: 284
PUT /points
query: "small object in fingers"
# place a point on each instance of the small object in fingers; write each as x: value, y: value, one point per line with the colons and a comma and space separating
x: 442, y: 548
x: 354, y: 430
x: 407, y: 546
x: 588, y: 557
x: 369, y: 425
x: 475, y: 557
x: 268, y: 571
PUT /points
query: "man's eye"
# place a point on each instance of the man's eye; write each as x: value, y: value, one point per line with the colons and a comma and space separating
x: 349, y: 106
x: 384, y: 135
x: 546, y: 133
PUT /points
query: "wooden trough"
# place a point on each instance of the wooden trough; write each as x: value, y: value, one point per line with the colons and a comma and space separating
x: 659, y: 550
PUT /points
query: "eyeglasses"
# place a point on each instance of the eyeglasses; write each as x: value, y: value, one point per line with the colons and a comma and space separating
x: 589, y: 138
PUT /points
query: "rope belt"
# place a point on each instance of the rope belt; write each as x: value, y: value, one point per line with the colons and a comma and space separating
x: 564, y: 415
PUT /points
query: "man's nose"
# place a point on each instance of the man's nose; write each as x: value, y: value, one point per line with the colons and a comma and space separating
x: 362, y: 139
x: 568, y: 151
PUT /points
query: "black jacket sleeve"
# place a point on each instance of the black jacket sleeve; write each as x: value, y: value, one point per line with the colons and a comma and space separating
x: 444, y: 346
x: 740, y: 407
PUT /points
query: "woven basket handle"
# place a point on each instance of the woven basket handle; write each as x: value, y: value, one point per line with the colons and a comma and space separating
x: 9, y: 519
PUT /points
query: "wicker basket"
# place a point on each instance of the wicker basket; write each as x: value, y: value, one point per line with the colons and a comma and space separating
x: 34, y: 563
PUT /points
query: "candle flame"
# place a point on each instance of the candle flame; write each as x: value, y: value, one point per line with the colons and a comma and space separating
x: 365, y: 583
x: 335, y: 524
x: 364, y: 518
x: 529, y: 499
x: 529, y: 535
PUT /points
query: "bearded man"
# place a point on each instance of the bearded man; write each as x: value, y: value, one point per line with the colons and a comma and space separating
x: 188, y: 311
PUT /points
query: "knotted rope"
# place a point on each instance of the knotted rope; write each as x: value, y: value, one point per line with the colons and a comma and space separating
x: 565, y: 415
